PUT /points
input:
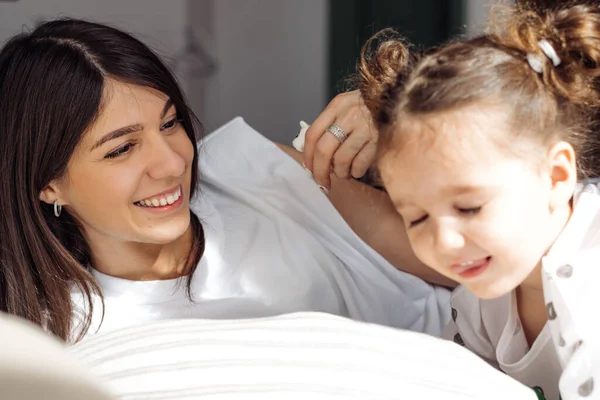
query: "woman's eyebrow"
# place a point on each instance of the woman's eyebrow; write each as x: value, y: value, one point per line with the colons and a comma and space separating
x: 126, y: 130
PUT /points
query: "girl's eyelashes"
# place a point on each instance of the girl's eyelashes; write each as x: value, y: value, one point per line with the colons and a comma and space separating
x: 418, y: 221
x: 465, y: 211
x: 469, y: 211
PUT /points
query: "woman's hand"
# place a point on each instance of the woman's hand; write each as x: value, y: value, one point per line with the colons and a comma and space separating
x: 352, y: 152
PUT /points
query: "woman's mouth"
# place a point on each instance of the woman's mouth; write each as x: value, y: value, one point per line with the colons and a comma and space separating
x: 164, y: 201
x: 471, y: 268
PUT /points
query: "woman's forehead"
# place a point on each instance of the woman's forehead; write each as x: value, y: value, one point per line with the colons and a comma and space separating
x: 126, y: 104
x: 118, y: 94
x: 123, y: 105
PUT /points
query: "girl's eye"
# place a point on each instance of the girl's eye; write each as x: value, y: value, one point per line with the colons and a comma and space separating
x: 170, y: 124
x: 417, y: 221
x: 120, y: 151
x: 469, y: 211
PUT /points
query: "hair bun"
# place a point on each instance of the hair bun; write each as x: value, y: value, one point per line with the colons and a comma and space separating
x: 384, y: 64
x: 573, y: 32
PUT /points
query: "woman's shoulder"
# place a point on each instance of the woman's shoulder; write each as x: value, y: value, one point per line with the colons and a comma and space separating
x: 236, y: 153
x: 236, y: 136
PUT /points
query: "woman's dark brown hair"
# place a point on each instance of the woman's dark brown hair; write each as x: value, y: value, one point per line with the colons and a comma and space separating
x: 51, y: 85
x: 560, y: 103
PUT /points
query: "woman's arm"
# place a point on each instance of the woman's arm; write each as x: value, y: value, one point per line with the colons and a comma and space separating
x: 370, y: 213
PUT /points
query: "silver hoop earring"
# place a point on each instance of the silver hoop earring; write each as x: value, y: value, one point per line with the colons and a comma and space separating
x: 57, y: 209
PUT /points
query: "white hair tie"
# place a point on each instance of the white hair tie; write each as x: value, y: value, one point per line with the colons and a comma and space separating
x: 536, y: 63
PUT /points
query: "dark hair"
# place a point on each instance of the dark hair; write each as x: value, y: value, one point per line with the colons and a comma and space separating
x: 560, y: 103
x: 51, y: 87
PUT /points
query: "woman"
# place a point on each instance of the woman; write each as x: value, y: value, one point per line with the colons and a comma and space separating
x: 102, y: 228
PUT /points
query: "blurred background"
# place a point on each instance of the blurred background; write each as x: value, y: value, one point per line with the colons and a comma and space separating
x: 274, y: 62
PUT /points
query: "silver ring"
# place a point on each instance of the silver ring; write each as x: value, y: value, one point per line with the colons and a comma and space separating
x: 337, y: 132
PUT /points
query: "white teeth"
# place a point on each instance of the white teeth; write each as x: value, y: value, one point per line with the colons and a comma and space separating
x: 161, y: 201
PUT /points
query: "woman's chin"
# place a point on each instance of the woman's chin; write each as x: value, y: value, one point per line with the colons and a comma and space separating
x: 167, y: 232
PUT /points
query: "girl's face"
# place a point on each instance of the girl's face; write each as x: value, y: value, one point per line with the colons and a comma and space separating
x: 129, y: 179
x: 475, y: 211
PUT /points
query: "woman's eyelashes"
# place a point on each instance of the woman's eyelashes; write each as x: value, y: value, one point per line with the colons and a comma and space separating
x: 170, y: 124
x: 127, y: 147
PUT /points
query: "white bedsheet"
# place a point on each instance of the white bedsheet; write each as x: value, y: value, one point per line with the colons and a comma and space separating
x: 299, y: 356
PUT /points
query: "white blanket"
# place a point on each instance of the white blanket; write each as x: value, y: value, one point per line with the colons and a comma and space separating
x: 292, y: 357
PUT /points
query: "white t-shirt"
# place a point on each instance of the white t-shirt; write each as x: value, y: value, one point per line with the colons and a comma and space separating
x: 274, y: 245
x: 570, y: 272
x: 491, y: 329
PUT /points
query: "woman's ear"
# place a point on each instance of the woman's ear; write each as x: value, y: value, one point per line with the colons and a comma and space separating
x: 562, y: 174
x: 50, y: 194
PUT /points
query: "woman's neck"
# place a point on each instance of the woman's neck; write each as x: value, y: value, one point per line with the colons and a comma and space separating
x: 141, y: 261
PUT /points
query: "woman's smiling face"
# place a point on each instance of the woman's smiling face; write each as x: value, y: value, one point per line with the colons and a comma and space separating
x: 129, y: 178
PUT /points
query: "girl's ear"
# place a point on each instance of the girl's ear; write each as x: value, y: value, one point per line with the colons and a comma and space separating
x: 562, y: 170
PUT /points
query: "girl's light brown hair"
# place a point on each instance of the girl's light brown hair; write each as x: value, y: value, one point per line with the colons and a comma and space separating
x: 560, y: 103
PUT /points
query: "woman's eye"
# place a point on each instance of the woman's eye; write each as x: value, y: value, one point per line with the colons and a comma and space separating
x: 170, y: 124
x: 120, y: 151
x: 417, y: 221
x: 469, y: 211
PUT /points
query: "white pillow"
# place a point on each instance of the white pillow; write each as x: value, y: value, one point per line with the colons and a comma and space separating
x: 34, y: 365
x: 295, y: 356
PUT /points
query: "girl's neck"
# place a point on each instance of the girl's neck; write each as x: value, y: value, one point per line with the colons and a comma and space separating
x: 557, y: 224
x: 530, y: 295
x: 142, y: 261
x: 532, y: 312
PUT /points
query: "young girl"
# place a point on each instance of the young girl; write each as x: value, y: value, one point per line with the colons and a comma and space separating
x: 482, y: 145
